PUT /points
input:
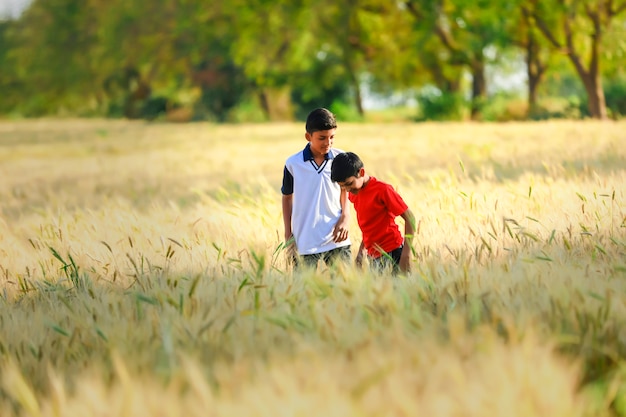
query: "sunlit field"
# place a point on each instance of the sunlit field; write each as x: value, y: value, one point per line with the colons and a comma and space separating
x: 143, y: 274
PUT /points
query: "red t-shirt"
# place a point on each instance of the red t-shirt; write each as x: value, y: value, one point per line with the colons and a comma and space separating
x: 377, y: 205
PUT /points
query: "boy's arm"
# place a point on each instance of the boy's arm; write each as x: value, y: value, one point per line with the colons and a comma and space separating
x: 289, y: 240
x: 340, y: 231
x: 409, y: 231
x: 287, y: 210
x: 360, y: 254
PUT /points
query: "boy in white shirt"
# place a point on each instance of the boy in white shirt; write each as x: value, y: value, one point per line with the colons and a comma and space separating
x: 315, y: 209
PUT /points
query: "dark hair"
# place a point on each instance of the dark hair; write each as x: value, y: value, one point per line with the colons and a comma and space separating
x: 320, y: 119
x: 345, y: 165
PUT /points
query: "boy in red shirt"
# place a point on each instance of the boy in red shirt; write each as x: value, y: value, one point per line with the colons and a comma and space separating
x: 377, y: 205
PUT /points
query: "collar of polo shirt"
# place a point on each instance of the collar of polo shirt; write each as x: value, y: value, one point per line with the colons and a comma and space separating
x: 308, y: 155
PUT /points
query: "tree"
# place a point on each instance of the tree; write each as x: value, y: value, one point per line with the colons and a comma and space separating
x: 8, y: 77
x: 465, y: 30
x: 355, y: 38
x: 123, y: 57
x: 524, y: 36
x: 272, y: 46
x: 51, y: 46
x: 534, y: 53
x: 137, y: 55
x: 197, y: 56
x: 383, y: 41
x: 577, y: 28
x: 345, y: 24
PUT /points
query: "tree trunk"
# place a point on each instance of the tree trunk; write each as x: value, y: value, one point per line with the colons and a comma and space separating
x: 533, y: 84
x: 358, y: 99
x: 592, y: 78
x: 445, y: 84
x: 479, y: 87
x: 535, y: 70
x: 589, y: 76
x: 265, y: 105
x: 595, y: 96
x: 592, y: 81
x: 276, y: 103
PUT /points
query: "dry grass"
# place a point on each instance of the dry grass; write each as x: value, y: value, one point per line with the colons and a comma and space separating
x: 142, y: 274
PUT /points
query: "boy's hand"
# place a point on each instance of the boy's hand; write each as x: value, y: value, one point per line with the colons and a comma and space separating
x: 290, y: 250
x: 405, y: 259
x: 360, y: 254
x: 340, y: 231
x: 340, y: 234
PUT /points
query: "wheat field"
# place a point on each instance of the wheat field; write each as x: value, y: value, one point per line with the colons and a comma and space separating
x: 143, y: 274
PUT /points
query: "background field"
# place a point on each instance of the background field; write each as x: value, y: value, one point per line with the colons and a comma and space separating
x: 142, y: 274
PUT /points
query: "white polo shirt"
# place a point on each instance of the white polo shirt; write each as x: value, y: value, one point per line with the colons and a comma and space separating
x: 316, y: 205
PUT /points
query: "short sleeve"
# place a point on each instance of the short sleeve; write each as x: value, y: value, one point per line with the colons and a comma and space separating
x: 394, y: 202
x: 287, y: 188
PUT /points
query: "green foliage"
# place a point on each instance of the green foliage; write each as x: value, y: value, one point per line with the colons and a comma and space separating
x: 555, y: 107
x: 223, y: 86
x: 505, y: 107
x: 121, y: 58
x: 345, y: 112
x: 8, y: 83
x: 435, y: 105
x: 579, y: 30
x: 615, y: 94
x: 325, y: 84
x: 247, y: 111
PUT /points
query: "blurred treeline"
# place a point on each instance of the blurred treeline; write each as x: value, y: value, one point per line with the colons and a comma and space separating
x: 252, y: 60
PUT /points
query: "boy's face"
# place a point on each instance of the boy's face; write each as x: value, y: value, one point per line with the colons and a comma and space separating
x: 321, y: 141
x: 354, y: 184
